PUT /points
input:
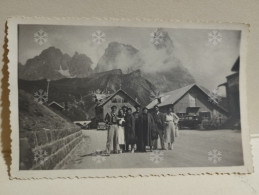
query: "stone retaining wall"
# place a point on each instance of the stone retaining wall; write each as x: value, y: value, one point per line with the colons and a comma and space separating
x: 46, y: 149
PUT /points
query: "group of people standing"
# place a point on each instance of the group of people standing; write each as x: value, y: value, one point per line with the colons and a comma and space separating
x: 129, y: 131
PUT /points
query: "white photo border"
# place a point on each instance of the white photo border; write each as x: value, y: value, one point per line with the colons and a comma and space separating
x: 133, y: 172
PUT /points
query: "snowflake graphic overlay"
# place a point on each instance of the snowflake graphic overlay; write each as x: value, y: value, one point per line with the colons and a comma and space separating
x: 214, y: 96
x: 40, y: 37
x: 40, y: 156
x: 98, y: 37
x: 214, y: 156
x: 156, y: 37
x: 40, y: 96
x: 157, y: 156
x: 214, y: 37
x: 98, y: 158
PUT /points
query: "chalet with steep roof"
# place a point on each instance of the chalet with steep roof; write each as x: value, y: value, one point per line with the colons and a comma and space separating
x: 55, y: 105
x: 190, y: 100
x: 120, y: 98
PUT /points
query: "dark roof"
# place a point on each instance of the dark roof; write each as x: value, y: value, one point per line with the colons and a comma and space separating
x: 170, y: 98
x: 236, y: 74
x: 110, y: 97
x: 235, y: 67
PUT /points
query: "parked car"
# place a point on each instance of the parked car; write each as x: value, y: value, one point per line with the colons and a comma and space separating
x: 101, y: 126
x: 189, y: 121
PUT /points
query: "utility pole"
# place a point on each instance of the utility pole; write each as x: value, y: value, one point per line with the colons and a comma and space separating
x: 48, y: 80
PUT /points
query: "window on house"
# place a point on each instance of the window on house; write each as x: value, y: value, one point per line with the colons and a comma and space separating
x: 114, y: 100
x: 192, y: 101
x: 205, y: 115
x: 181, y: 114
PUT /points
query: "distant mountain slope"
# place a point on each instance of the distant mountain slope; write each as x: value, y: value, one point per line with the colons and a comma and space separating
x: 75, y: 93
x: 53, y: 64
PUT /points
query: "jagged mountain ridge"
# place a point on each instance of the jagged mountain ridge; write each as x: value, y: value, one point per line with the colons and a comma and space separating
x: 53, y: 64
x: 120, y: 56
x: 158, y: 64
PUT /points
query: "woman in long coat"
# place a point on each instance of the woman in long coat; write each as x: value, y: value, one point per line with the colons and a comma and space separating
x: 130, y: 135
x: 147, y: 131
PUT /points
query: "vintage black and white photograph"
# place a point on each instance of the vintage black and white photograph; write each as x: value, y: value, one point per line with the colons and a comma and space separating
x: 128, y: 97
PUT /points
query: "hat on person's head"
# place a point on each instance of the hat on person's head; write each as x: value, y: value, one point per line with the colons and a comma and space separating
x: 145, y: 108
x: 137, y: 106
x: 170, y: 107
x: 113, y: 107
x: 124, y: 107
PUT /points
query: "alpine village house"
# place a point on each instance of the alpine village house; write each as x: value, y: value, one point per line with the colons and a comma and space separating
x: 120, y: 98
x: 191, y: 100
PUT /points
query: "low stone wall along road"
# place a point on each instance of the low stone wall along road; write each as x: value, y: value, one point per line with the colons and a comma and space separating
x: 192, y: 148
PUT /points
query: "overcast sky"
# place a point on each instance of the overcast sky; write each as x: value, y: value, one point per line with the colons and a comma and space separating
x: 208, y: 64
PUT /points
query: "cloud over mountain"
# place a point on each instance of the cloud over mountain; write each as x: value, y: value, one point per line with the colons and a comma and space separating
x: 157, y: 63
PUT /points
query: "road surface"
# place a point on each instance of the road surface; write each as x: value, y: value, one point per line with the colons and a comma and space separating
x: 191, y: 149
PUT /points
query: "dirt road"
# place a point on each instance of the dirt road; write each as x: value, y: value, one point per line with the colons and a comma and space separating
x: 190, y: 150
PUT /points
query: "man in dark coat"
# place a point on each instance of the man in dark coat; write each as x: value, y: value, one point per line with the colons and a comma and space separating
x: 130, y: 135
x: 125, y: 109
x: 137, y: 130
x: 159, y: 119
x: 147, y: 130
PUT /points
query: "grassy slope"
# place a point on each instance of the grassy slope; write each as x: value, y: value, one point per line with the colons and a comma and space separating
x: 34, y: 116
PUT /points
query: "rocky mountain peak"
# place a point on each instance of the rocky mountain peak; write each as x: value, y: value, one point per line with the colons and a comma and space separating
x: 51, y: 63
x: 119, y: 56
x: 158, y: 63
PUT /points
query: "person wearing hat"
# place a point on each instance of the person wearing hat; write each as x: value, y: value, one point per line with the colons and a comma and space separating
x: 147, y: 129
x: 159, y: 119
x: 112, y: 122
x: 124, y: 108
x: 136, y: 115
